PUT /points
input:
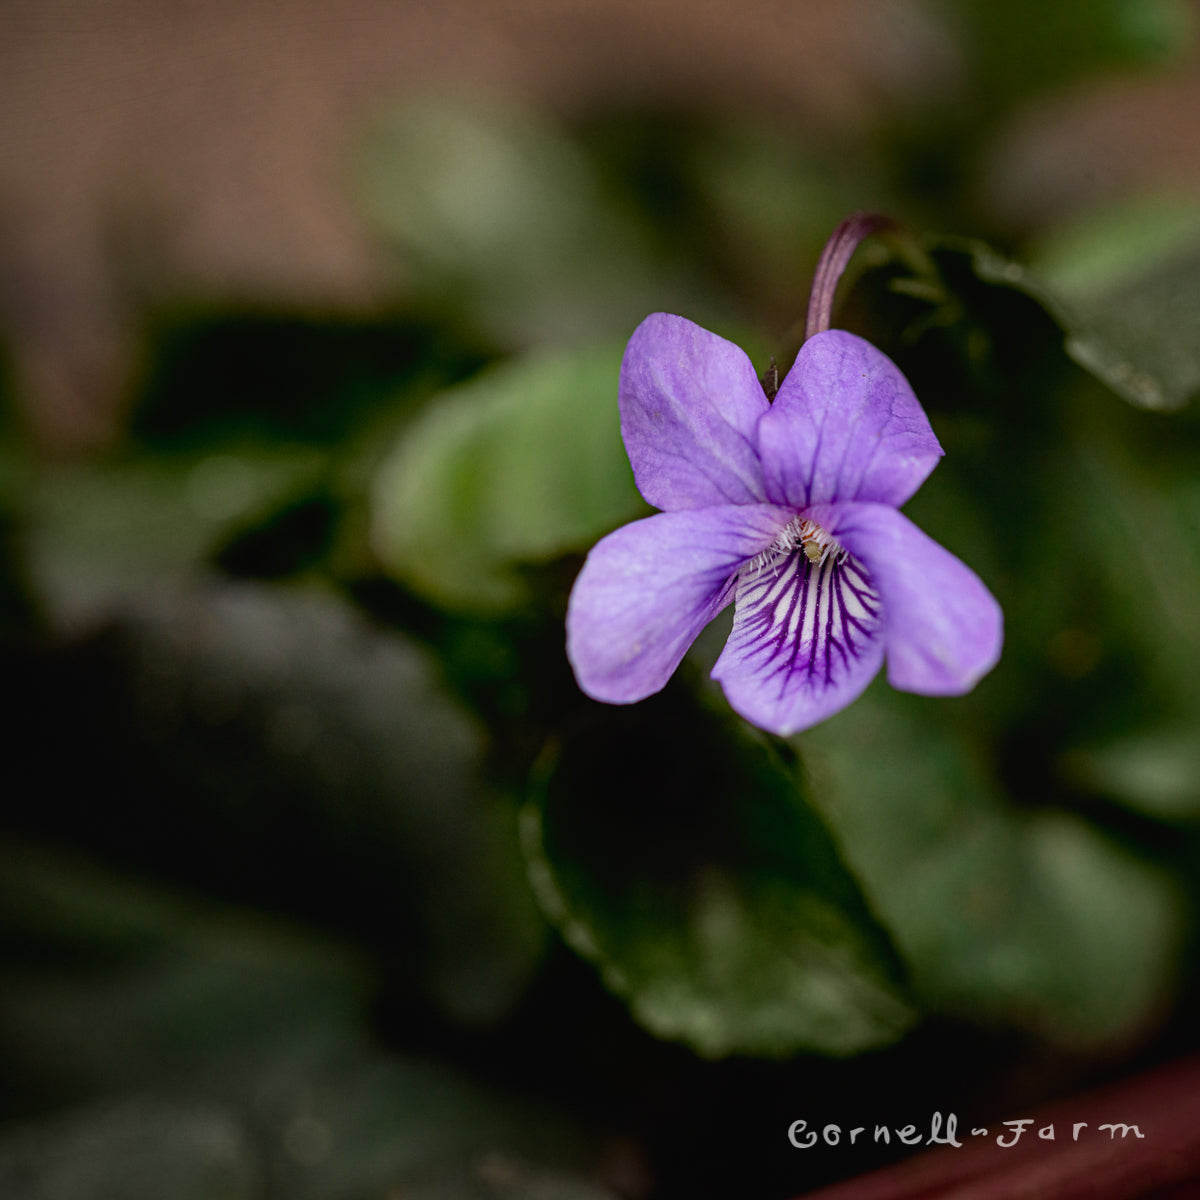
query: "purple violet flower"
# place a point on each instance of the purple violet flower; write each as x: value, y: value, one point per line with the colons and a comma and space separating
x: 790, y: 511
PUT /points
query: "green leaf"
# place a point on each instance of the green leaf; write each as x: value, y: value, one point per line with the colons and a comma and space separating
x: 1082, y: 513
x: 354, y: 726
x: 215, y: 377
x: 1024, y: 46
x: 1010, y: 917
x: 1126, y: 530
x: 764, y: 203
x: 1133, y: 323
x: 1155, y: 772
x: 214, y: 1048
x: 311, y: 763
x: 521, y: 465
x: 496, y: 212
x: 678, y: 854
x: 1130, y: 278
x: 1100, y: 251
x: 141, y: 1147
x: 1134, y: 516
x: 101, y: 533
x: 115, y: 985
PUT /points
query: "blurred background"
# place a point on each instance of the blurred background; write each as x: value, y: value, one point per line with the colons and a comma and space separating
x: 318, y: 876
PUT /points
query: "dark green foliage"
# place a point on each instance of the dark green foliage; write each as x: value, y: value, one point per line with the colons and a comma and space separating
x: 318, y: 875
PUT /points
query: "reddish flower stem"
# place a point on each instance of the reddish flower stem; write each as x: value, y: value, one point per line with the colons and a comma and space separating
x: 834, y: 259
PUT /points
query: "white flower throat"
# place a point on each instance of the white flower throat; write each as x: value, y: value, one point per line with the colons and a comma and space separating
x: 801, y: 534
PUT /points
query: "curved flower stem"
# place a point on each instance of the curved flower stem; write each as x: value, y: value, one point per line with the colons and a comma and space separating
x: 834, y: 259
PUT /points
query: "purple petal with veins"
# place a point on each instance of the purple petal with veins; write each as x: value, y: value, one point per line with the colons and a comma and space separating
x: 648, y: 589
x: 807, y: 638
x: 790, y: 511
x: 845, y: 426
x: 690, y: 405
x: 944, y: 628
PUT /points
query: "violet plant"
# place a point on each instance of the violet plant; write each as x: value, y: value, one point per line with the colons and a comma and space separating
x: 787, y: 509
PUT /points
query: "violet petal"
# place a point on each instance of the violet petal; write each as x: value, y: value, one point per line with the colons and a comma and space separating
x: 845, y: 426
x: 690, y: 402
x: 648, y: 589
x: 944, y: 629
x: 807, y: 639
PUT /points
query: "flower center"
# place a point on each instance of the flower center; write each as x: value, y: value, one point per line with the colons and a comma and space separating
x: 818, y: 545
x: 806, y: 535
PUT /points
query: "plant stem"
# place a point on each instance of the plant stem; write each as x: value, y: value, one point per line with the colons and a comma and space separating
x: 834, y: 259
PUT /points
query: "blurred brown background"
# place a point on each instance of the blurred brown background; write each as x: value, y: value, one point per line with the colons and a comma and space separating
x: 199, y: 149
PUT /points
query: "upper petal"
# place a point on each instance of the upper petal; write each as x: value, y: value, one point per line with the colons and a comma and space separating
x: 806, y: 641
x: 690, y: 402
x: 648, y: 589
x: 943, y: 628
x: 845, y: 426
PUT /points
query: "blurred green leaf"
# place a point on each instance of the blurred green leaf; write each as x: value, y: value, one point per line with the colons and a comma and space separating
x: 502, y: 1177
x: 100, y: 533
x: 763, y: 203
x: 381, y: 1125
x: 1022, y: 47
x: 114, y: 985
x: 1132, y: 322
x: 1081, y: 512
x: 312, y: 762
x: 1156, y: 773
x: 215, y: 379
x: 1101, y: 250
x: 678, y: 854
x: 495, y: 211
x: 228, y: 466
x: 362, y: 1128
x: 195, y: 1049
x: 1134, y: 514
x: 521, y: 465
x: 292, y: 539
x: 1016, y: 918
x: 1129, y: 503
x: 133, y: 1150
x: 1131, y: 279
